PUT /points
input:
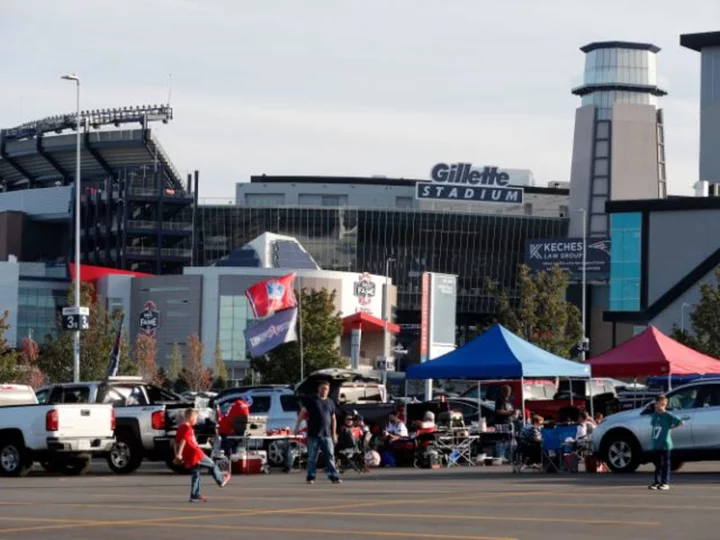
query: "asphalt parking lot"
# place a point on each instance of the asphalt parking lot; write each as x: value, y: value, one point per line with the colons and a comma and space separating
x: 459, y: 504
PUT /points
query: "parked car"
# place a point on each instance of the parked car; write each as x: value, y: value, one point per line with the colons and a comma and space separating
x: 63, y: 438
x: 564, y: 403
x: 147, y: 418
x: 535, y: 390
x: 623, y: 440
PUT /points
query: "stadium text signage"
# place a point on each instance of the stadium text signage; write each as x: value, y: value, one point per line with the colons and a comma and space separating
x: 567, y: 253
x: 463, y: 182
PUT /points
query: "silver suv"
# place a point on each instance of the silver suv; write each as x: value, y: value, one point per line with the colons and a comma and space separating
x: 623, y: 439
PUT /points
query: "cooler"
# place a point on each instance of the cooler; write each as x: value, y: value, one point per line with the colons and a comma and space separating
x: 249, y: 462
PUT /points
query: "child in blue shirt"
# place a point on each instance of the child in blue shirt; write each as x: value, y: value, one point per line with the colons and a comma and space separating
x: 662, y: 423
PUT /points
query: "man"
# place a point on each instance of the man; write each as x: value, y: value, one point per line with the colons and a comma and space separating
x: 234, y: 423
x: 396, y: 428
x: 504, y: 413
x: 319, y: 412
x: 192, y: 456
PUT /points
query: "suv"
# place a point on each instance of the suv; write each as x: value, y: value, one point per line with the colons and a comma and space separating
x: 623, y: 440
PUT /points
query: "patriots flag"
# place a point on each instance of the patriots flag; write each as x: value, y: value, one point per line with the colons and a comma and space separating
x: 115, y: 355
x: 276, y: 294
x: 265, y: 335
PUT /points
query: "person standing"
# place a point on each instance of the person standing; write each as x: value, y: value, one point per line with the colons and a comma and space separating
x: 319, y: 412
x: 192, y: 456
x: 504, y: 413
x: 662, y: 423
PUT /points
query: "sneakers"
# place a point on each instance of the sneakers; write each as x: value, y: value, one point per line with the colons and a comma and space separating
x: 310, y: 480
x: 200, y: 499
x: 658, y: 487
x: 226, y: 479
x: 654, y: 486
x: 663, y: 487
x: 336, y: 481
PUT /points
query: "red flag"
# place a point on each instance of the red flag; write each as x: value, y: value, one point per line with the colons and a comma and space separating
x: 273, y: 295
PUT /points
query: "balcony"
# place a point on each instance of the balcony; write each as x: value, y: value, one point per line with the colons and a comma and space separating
x: 164, y: 225
x: 153, y: 251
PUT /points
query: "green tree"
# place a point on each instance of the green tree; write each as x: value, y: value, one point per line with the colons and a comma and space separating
x: 10, y: 371
x: 539, y: 312
x: 705, y: 321
x: 321, y: 330
x: 221, y: 376
x: 96, y: 344
x: 176, y: 363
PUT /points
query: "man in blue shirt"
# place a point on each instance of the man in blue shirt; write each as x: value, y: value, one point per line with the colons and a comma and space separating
x: 319, y: 411
x: 662, y: 423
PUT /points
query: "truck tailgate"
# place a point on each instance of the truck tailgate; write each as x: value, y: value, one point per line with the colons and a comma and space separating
x: 84, y: 420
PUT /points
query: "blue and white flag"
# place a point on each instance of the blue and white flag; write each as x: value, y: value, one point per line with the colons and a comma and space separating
x: 265, y: 335
x: 115, y: 354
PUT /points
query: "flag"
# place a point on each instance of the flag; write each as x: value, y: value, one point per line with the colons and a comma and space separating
x: 275, y: 294
x: 115, y: 355
x: 265, y: 335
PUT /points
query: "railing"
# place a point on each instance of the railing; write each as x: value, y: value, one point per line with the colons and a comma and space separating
x: 152, y: 251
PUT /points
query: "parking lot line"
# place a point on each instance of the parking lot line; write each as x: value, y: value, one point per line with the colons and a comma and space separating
x: 335, y: 532
x: 584, y: 521
x: 594, y: 505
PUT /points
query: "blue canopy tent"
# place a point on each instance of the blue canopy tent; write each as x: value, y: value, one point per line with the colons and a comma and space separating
x: 497, y: 353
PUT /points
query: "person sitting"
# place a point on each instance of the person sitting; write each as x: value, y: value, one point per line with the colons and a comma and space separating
x: 395, y: 429
x: 363, y: 431
x: 426, y: 425
x: 586, y: 426
x: 347, y: 435
x: 530, y: 442
x: 234, y: 423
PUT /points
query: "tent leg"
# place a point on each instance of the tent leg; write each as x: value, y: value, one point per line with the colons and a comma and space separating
x: 572, y: 404
x: 479, y: 404
x: 522, y: 395
x: 592, y: 401
x: 669, y: 381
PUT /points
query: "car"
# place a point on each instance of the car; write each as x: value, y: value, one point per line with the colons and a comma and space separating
x: 623, y: 440
x: 63, y: 438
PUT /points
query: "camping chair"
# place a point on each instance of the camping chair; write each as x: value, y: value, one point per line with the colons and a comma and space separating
x: 559, y: 449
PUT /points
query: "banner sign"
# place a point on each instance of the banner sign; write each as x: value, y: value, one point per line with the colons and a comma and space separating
x: 265, y: 335
x: 464, y: 183
x: 567, y: 253
x: 272, y: 295
x: 425, y: 317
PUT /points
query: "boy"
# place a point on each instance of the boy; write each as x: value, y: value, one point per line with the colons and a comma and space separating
x: 662, y: 423
x: 191, y: 455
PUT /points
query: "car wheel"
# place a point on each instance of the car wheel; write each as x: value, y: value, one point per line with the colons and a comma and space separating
x: 276, y: 451
x: 621, y: 453
x: 125, y: 456
x: 14, y: 459
x: 676, y: 465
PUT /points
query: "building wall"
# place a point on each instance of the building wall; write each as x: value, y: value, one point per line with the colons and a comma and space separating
x: 179, y: 303
x: 634, y: 152
x: 9, y: 285
x: 678, y: 242
x: 581, y: 166
x: 677, y: 315
x: 11, y: 235
x: 710, y: 115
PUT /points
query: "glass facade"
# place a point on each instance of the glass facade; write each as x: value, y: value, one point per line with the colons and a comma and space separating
x: 38, y: 309
x: 624, y: 66
x: 234, y: 315
x: 475, y: 247
x: 604, y: 100
x: 625, y: 261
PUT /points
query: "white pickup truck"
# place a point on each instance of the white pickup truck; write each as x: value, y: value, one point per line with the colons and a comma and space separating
x: 63, y: 438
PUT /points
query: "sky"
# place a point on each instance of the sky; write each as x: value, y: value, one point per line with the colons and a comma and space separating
x: 347, y: 87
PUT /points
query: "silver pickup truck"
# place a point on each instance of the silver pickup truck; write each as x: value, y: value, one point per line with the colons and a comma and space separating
x: 147, y: 417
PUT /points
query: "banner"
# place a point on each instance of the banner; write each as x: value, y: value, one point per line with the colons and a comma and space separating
x: 567, y: 253
x: 265, y: 335
x: 276, y: 294
x: 115, y: 354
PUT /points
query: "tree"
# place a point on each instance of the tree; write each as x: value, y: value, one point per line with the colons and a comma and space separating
x: 29, y: 354
x: 195, y: 375
x: 705, y: 319
x: 221, y: 376
x: 176, y: 363
x: 146, y: 358
x: 96, y: 344
x: 539, y: 313
x: 9, y: 359
x: 321, y: 330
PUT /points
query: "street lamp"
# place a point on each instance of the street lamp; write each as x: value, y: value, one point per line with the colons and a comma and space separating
x: 386, y: 341
x: 682, y: 315
x: 584, y: 343
x: 76, y: 337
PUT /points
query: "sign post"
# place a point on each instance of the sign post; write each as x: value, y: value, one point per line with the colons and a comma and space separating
x: 76, y: 319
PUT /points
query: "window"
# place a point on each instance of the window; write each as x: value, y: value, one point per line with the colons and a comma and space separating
x: 42, y: 395
x: 80, y: 394
x: 260, y: 404
x: 289, y: 403
x: 234, y: 314
x: 685, y: 398
x: 625, y: 231
x: 404, y: 202
x: 110, y: 396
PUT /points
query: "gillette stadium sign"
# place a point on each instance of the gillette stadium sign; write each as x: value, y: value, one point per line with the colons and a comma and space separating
x: 567, y: 253
x: 461, y: 182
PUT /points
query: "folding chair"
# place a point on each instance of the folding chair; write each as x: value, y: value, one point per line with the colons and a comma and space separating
x: 559, y: 449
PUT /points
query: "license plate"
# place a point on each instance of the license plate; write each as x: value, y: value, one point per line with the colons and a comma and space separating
x: 83, y: 445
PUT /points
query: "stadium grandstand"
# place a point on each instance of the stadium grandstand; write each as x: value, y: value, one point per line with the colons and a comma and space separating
x: 136, y: 210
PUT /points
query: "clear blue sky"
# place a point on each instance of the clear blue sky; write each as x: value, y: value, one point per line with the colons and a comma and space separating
x: 347, y: 87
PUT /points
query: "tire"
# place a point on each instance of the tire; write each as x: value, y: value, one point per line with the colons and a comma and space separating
x: 676, y: 465
x: 14, y: 458
x: 621, y: 452
x: 78, y: 466
x: 276, y: 451
x: 125, y: 456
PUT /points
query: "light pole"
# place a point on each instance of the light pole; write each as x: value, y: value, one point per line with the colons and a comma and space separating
x: 584, y: 343
x: 386, y: 309
x: 76, y: 337
x: 682, y: 315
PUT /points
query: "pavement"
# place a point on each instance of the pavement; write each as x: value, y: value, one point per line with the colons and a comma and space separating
x: 484, y: 503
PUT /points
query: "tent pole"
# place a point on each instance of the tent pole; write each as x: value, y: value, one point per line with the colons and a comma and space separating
x: 669, y: 381
x: 592, y: 401
x: 522, y: 395
x: 572, y: 403
x: 479, y: 404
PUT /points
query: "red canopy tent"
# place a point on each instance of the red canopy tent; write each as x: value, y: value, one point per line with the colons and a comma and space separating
x: 652, y: 353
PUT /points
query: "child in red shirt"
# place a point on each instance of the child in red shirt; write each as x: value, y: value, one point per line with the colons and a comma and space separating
x: 192, y: 456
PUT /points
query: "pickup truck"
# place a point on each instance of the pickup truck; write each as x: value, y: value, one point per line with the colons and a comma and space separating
x: 564, y: 406
x: 147, y: 418
x: 63, y: 438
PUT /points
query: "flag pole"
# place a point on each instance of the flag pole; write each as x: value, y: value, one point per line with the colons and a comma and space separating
x: 300, y: 332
